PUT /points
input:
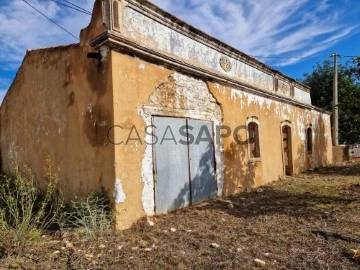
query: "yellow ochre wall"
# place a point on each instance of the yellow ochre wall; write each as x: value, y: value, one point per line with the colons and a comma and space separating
x: 134, y: 80
x: 237, y: 107
x: 63, y: 106
x: 59, y: 107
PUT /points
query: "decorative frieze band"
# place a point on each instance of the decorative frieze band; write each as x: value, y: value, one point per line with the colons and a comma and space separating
x: 151, y: 27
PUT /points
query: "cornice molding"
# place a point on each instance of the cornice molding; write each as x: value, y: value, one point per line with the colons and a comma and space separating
x: 154, y: 12
x: 122, y: 44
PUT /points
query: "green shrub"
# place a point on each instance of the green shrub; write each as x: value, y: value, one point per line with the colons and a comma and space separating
x: 25, y: 210
x: 93, y: 216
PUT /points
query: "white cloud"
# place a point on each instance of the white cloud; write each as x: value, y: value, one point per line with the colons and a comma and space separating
x: 326, y: 43
x: 23, y: 28
x: 266, y: 28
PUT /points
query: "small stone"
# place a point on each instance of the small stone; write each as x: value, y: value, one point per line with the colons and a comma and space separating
x: 189, y: 231
x: 56, y: 252
x: 165, y: 231
x: 148, y: 249
x: 239, y: 250
x: 43, y: 236
x: 119, y: 247
x: 63, y: 248
x: 54, y: 242
x: 214, y: 245
x: 69, y: 245
x: 150, y: 223
x: 173, y: 230
x: 352, y: 252
x: 229, y: 204
x: 266, y: 254
x: 102, y: 246
x: 260, y: 262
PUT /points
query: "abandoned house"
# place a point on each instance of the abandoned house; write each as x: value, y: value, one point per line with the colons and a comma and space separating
x: 158, y: 114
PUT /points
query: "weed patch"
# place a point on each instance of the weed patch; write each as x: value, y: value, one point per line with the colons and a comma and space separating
x: 25, y: 210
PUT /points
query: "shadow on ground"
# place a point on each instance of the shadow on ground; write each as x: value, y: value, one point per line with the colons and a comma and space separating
x: 347, y: 170
x: 268, y: 201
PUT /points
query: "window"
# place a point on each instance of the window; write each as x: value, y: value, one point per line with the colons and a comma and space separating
x: 309, y: 146
x: 254, y: 143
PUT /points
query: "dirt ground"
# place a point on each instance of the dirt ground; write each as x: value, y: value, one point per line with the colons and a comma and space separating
x: 271, y: 223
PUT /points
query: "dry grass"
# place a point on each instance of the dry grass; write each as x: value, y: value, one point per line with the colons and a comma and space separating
x: 25, y: 210
x: 271, y: 223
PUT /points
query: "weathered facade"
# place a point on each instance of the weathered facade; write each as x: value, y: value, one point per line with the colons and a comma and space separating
x: 96, y: 119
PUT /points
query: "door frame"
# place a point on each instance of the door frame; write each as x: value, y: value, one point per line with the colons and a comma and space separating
x: 287, y: 124
x: 147, y: 169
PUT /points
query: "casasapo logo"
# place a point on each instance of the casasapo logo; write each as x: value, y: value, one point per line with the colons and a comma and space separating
x: 183, y: 135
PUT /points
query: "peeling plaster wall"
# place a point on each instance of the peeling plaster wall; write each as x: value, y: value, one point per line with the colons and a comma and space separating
x: 158, y: 36
x: 179, y: 96
x: 142, y: 89
x: 161, y: 37
x: 119, y: 194
x: 66, y: 107
x: 133, y: 82
x: 302, y: 96
x: 237, y: 106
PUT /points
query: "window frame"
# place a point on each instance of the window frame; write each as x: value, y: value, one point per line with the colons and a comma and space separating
x: 288, y: 124
x: 253, y: 120
x: 311, y: 141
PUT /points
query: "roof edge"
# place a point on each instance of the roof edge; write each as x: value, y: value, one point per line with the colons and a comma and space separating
x: 25, y: 59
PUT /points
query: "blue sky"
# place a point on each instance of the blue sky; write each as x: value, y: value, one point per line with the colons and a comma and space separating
x: 276, y: 30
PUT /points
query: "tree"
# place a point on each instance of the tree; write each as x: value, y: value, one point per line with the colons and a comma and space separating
x: 321, y: 83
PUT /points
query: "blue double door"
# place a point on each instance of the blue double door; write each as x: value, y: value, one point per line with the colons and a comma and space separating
x: 184, y: 163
